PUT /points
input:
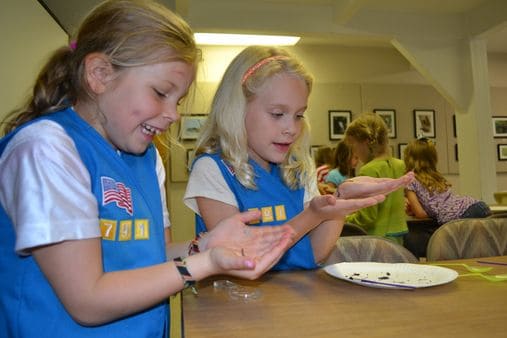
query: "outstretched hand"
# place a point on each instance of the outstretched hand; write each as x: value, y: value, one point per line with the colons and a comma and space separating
x: 329, y: 207
x: 365, y: 186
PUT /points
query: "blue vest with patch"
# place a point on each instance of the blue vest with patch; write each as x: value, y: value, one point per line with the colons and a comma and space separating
x: 277, y: 203
x: 131, y: 222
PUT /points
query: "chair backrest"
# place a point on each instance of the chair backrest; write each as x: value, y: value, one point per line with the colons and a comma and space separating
x: 369, y: 249
x: 468, y: 238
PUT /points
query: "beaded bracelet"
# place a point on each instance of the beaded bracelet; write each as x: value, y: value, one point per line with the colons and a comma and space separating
x: 186, y: 276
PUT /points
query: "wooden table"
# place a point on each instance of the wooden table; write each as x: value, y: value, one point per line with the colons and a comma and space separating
x: 314, y: 304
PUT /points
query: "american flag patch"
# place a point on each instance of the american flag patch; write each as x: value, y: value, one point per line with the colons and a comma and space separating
x: 117, y: 192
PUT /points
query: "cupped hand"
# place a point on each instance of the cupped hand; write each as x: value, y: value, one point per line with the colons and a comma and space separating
x: 233, y: 233
x: 366, y: 186
x: 231, y: 262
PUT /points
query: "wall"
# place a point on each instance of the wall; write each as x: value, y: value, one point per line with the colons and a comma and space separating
x: 28, y: 36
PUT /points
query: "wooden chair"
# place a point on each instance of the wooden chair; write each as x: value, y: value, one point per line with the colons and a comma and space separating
x: 468, y: 238
x: 369, y: 249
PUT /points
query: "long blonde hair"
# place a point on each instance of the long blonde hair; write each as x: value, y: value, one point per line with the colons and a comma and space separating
x: 225, y: 130
x: 370, y: 127
x: 130, y: 32
x: 421, y: 157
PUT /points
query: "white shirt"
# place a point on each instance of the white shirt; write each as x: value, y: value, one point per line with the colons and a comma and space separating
x: 46, y: 189
x: 206, y: 180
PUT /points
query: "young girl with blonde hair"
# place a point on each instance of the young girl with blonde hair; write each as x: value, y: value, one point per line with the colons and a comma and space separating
x: 253, y: 154
x: 430, y: 194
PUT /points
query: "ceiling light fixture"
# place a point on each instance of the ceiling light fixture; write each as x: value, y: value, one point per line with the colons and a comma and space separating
x: 244, y: 39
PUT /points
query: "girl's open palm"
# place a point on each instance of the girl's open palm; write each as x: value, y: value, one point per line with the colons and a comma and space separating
x: 233, y: 233
x: 329, y: 207
x: 366, y: 186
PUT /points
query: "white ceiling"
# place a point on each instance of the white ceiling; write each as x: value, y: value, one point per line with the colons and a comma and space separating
x: 342, y: 22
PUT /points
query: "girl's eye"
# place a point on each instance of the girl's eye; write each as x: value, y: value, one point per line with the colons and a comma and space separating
x: 300, y: 116
x: 277, y: 114
x: 159, y: 93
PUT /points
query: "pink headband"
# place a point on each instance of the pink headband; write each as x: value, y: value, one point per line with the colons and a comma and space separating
x: 259, y: 64
x: 73, y: 45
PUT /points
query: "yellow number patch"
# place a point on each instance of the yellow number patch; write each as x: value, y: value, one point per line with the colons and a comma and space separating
x: 108, y: 229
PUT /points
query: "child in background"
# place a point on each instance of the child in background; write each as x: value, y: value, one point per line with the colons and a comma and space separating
x: 430, y: 194
x: 323, y: 162
x: 343, y: 165
x: 85, y: 247
x: 253, y: 154
x: 368, y: 137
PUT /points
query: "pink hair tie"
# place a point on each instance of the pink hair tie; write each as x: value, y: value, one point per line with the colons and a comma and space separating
x: 259, y: 64
x: 73, y: 45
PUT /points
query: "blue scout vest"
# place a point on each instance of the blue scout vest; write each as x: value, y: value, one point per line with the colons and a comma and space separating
x: 131, y: 223
x: 278, y: 204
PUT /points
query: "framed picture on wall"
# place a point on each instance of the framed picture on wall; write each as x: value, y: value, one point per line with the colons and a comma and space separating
x: 338, y: 123
x: 389, y: 117
x: 424, y: 123
x: 401, y: 149
x: 502, y: 152
x: 191, y: 126
x: 499, y: 126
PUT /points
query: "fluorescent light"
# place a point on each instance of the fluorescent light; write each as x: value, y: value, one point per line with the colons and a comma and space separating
x: 244, y: 39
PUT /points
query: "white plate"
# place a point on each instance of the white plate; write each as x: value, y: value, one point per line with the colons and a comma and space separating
x: 392, y: 275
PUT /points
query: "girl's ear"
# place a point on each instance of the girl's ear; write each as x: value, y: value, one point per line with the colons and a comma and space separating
x: 98, y: 71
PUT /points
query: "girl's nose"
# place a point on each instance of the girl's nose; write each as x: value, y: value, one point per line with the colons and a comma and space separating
x: 171, y: 113
x: 291, y: 128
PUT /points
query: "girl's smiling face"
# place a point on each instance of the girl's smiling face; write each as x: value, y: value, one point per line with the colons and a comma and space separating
x: 274, y: 118
x: 141, y: 102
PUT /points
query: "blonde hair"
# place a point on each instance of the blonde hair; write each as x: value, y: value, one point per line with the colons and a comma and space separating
x: 370, y: 127
x: 421, y: 158
x: 225, y: 130
x: 130, y: 32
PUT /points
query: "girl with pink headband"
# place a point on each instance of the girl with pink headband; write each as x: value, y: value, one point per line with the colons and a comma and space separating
x: 253, y: 154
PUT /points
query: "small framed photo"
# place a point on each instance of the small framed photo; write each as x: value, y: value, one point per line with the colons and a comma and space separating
x: 424, y: 123
x: 191, y: 126
x: 389, y: 117
x: 499, y: 126
x: 401, y: 150
x: 338, y: 123
x: 502, y: 152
